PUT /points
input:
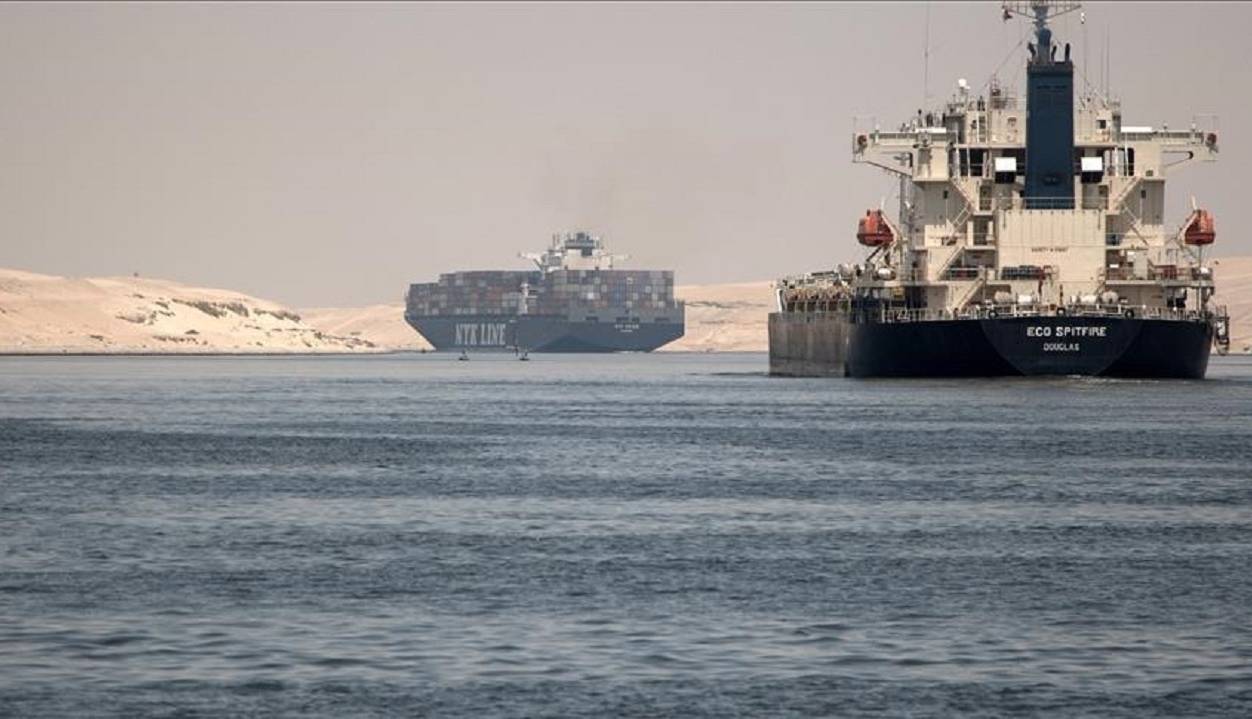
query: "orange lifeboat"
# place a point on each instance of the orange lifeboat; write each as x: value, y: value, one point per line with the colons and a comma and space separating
x: 1200, y: 229
x: 873, y: 231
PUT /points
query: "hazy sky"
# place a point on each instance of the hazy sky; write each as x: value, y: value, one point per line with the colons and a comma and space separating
x: 329, y: 154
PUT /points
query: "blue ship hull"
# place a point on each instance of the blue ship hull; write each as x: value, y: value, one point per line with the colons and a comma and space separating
x: 816, y: 344
x: 537, y: 333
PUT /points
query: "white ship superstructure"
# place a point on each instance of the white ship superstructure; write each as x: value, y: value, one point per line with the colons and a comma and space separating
x: 970, y: 231
x: 1048, y: 207
x: 574, y: 251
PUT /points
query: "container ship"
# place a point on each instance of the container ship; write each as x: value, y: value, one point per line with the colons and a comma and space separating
x: 1031, y: 239
x: 573, y: 301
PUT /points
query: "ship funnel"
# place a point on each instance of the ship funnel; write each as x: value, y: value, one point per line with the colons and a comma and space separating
x: 1049, y: 111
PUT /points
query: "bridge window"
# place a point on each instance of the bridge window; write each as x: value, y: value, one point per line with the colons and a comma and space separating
x: 977, y: 158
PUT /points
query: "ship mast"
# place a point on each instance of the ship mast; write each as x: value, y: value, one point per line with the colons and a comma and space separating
x: 1039, y: 11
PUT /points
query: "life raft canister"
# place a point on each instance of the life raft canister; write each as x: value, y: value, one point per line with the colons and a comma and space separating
x: 872, y: 230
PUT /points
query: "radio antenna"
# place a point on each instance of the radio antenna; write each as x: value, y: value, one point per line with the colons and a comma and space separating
x: 926, y: 63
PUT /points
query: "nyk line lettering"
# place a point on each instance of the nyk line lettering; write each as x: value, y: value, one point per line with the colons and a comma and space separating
x: 480, y: 334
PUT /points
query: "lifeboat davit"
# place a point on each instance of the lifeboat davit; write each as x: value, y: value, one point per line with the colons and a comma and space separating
x: 1200, y: 229
x: 873, y: 231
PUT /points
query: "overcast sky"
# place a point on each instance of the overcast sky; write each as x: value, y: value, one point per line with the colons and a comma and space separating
x: 329, y: 154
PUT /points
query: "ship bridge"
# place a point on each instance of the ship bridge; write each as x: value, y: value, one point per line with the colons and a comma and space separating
x: 574, y: 251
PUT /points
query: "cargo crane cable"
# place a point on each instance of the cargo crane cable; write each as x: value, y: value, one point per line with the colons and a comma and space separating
x: 1082, y: 69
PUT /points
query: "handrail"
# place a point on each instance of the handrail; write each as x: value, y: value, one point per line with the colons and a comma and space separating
x: 1023, y: 202
x: 963, y: 302
x: 969, y: 208
x: 1158, y: 273
x: 887, y: 315
x: 957, y: 251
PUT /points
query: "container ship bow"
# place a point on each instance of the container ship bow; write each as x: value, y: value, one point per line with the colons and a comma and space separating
x: 573, y: 301
x: 1031, y: 239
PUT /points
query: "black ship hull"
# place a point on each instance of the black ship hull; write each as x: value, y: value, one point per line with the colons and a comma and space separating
x: 538, y: 333
x: 816, y: 344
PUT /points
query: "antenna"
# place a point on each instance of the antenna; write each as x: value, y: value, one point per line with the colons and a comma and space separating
x: 1104, y: 66
x: 926, y: 64
x: 1040, y: 12
x: 1082, y: 20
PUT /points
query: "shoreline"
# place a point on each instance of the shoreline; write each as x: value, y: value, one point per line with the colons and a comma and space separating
x: 46, y: 353
x: 448, y: 353
x: 392, y: 353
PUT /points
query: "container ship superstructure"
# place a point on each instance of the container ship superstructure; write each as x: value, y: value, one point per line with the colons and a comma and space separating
x: 1031, y: 239
x: 573, y: 301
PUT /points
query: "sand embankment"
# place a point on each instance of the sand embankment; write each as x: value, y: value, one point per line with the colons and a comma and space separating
x: 382, y: 325
x: 1233, y: 276
x: 725, y: 318
x: 44, y: 313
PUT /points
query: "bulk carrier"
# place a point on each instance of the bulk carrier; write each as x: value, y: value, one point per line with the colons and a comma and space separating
x: 573, y: 301
x: 1031, y: 239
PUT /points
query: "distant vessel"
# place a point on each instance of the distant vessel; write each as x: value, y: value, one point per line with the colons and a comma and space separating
x: 574, y: 301
x: 1031, y: 239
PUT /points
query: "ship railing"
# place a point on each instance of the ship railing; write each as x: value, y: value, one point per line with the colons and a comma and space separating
x: 1018, y: 202
x: 1171, y: 273
x: 1151, y: 312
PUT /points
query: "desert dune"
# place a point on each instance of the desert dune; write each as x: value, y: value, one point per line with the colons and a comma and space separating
x: 382, y: 325
x: 725, y: 318
x: 45, y: 313
x: 1233, y: 276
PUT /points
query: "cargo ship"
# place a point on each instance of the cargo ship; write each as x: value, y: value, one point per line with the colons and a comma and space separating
x: 1031, y: 239
x: 572, y: 301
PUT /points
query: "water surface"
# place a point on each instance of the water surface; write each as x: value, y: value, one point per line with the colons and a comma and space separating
x: 618, y: 535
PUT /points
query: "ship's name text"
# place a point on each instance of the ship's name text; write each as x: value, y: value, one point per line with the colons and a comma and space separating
x: 1067, y: 331
x: 480, y: 334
